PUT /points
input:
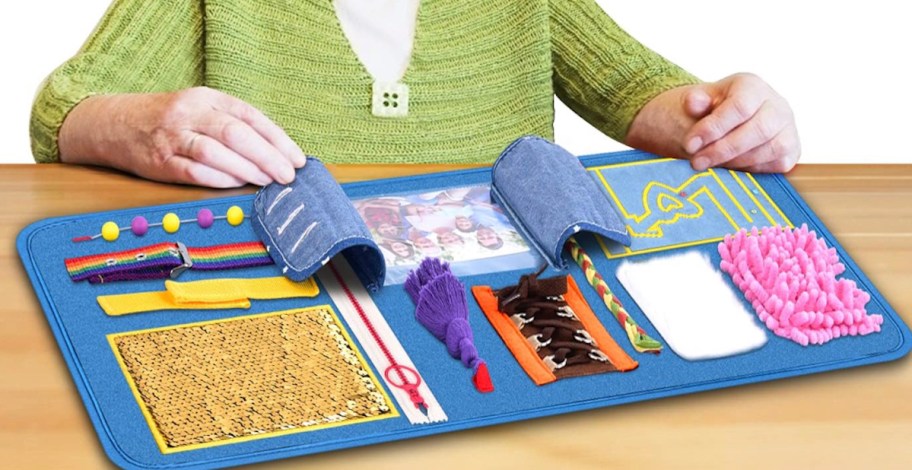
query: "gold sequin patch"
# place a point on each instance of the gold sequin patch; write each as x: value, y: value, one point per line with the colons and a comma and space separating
x: 226, y: 381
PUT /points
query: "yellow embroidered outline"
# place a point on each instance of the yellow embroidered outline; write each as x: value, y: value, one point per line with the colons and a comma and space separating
x: 709, y: 172
x: 160, y: 440
x: 768, y: 198
x: 751, y: 196
x: 732, y: 197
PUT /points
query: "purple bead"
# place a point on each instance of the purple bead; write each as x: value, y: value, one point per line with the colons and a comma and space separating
x: 205, y: 218
x: 139, y: 225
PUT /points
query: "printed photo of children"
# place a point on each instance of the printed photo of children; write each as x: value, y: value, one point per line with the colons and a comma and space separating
x: 460, y: 225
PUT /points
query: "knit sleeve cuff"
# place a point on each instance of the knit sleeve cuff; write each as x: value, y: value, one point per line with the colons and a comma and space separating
x: 57, y: 96
x: 640, y: 93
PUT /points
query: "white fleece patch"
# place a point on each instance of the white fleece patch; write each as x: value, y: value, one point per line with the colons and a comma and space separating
x: 691, y: 305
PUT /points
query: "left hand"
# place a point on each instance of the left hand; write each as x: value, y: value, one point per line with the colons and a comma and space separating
x: 741, y: 123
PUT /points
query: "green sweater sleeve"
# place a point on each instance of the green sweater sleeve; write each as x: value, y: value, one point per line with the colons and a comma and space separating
x: 600, y: 71
x: 139, y: 46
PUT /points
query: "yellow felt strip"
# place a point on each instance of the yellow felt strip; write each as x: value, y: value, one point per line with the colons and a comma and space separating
x: 524, y: 353
x: 220, y: 290
x: 139, y: 302
x: 207, y: 295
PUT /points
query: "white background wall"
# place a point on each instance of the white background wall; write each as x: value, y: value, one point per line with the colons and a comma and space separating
x: 844, y: 65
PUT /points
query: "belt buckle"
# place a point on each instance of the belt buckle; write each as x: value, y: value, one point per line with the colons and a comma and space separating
x: 186, y: 262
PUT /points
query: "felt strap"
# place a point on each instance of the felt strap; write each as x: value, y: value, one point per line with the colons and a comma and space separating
x: 207, y: 294
x: 165, y: 260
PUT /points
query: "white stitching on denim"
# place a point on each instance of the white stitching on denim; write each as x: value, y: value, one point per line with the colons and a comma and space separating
x: 278, y: 198
x: 290, y: 217
x: 304, y: 234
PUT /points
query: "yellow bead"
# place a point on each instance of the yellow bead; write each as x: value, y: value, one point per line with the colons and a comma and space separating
x: 171, y: 222
x: 110, y: 231
x: 235, y: 215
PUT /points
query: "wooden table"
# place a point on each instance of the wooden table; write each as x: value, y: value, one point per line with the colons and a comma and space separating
x: 857, y: 418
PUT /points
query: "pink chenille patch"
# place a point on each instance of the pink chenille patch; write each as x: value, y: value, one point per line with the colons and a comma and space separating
x: 789, y: 276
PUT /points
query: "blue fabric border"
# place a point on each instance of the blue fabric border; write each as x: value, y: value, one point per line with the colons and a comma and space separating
x: 268, y: 452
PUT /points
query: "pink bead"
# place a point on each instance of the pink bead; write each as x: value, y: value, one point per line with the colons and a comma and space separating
x: 139, y: 225
x: 205, y: 218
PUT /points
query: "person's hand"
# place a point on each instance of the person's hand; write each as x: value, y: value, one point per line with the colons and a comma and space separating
x: 196, y: 136
x: 743, y: 124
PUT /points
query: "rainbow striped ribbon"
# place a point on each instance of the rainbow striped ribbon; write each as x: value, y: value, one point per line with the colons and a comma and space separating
x: 637, y: 336
x: 157, y: 261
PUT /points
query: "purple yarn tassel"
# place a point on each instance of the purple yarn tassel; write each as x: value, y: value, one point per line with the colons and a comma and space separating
x: 441, y: 307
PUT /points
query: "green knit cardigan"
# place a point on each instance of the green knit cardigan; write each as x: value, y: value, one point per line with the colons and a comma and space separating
x: 482, y: 73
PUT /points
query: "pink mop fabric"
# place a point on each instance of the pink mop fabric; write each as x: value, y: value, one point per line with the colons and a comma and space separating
x: 789, y: 276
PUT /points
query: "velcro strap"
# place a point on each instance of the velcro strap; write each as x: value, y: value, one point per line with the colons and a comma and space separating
x: 208, y: 294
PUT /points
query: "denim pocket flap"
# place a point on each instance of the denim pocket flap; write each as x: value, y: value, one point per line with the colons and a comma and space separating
x: 305, y: 223
x: 549, y: 196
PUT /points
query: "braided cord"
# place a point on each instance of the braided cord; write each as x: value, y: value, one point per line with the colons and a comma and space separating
x: 641, y: 341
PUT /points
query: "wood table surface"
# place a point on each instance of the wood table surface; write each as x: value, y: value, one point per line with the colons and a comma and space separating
x: 856, y: 418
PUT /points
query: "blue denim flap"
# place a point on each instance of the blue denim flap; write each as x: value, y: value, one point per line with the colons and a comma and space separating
x: 549, y: 196
x: 306, y: 223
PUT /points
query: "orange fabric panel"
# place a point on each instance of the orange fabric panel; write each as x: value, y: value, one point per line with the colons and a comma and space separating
x: 524, y: 352
x: 520, y: 348
x: 621, y: 360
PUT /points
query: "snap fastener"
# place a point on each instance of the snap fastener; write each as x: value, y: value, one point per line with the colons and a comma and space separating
x: 390, y: 99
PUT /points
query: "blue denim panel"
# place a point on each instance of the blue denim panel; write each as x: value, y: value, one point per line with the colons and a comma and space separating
x: 309, y: 221
x: 548, y: 195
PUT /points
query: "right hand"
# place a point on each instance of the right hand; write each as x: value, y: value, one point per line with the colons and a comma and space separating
x: 196, y: 136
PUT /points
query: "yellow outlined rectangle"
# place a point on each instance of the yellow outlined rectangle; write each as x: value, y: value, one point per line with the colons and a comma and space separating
x: 627, y: 216
x: 153, y: 427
